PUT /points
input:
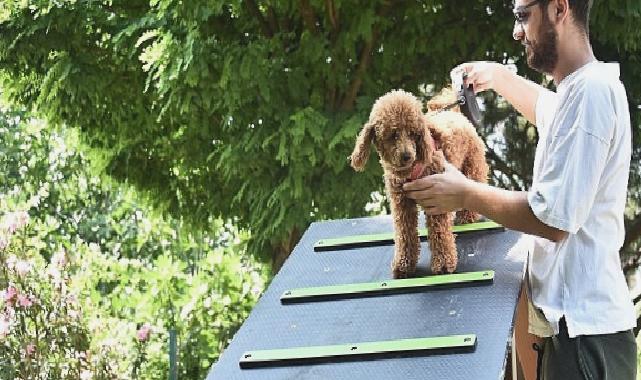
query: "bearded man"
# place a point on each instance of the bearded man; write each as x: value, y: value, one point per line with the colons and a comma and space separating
x: 575, y: 300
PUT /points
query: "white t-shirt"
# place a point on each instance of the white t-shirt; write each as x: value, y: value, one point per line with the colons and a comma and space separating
x: 579, y: 185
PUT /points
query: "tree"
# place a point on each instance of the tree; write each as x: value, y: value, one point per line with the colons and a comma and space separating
x: 250, y: 108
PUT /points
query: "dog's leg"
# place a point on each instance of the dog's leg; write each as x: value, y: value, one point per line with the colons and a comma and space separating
x: 466, y: 216
x: 474, y: 167
x: 406, y: 241
x: 442, y: 243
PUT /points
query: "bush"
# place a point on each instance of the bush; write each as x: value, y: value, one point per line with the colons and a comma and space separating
x: 106, y: 277
x: 43, y: 329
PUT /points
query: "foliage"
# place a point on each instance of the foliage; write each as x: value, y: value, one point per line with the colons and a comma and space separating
x: 205, y: 308
x: 129, y: 270
x: 249, y: 108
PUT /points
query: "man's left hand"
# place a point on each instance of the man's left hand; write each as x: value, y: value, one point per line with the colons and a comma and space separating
x: 439, y: 193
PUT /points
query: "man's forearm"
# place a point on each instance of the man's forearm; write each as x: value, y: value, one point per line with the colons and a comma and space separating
x: 518, y: 91
x: 509, y: 208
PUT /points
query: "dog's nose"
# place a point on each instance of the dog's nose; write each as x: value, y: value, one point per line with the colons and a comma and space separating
x: 405, y: 157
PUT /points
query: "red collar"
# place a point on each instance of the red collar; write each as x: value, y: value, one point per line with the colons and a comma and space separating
x: 419, y: 168
x: 417, y: 171
x: 437, y: 142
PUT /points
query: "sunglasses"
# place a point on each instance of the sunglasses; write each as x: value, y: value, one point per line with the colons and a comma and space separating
x: 521, y: 13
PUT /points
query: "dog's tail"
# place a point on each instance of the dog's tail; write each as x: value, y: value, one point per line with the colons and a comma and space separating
x: 446, y: 97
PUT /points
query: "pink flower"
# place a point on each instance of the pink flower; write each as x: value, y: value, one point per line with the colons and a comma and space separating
x: 4, y: 242
x: 72, y: 299
x: 11, y: 262
x: 5, y: 326
x: 21, y: 218
x: 143, y: 333
x: 55, y: 274
x: 31, y: 349
x: 23, y: 268
x: 73, y: 314
x: 15, y: 220
x: 11, y: 294
x: 59, y: 259
x: 24, y: 301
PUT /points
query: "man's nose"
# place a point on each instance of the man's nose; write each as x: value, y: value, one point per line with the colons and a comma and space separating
x: 517, y: 31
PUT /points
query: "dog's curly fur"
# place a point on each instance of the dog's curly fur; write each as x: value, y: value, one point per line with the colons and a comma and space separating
x: 412, y: 144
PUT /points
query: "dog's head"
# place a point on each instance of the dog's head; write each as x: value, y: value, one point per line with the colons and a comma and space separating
x: 398, y: 129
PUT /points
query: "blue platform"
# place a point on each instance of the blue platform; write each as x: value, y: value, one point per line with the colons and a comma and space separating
x: 487, y: 311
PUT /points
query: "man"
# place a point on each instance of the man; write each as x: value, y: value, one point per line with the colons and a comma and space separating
x: 578, y: 298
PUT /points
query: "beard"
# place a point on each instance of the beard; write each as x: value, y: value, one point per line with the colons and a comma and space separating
x: 542, y: 55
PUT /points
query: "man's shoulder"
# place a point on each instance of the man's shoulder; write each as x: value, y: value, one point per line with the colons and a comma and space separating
x: 598, y: 79
x: 591, y: 100
x: 597, y: 85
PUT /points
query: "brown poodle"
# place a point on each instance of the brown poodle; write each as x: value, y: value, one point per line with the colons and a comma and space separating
x: 411, y: 145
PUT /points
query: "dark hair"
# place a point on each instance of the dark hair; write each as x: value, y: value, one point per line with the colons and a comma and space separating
x: 580, y: 11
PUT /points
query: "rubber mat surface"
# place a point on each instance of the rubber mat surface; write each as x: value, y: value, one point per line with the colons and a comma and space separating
x: 486, y: 310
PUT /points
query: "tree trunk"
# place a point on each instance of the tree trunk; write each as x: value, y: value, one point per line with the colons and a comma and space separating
x: 283, y: 249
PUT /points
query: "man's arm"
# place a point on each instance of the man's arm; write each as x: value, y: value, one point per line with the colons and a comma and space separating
x: 509, y: 208
x: 451, y: 190
x: 518, y: 91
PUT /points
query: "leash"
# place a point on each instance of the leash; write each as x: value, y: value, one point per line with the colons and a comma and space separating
x: 460, y: 101
x: 466, y: 99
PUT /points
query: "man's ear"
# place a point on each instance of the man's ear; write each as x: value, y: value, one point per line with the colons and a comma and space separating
x: 360, y: 155
x: 561, y: 9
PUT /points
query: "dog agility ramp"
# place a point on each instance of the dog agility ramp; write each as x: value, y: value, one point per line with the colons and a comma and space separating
x: 451, y: 332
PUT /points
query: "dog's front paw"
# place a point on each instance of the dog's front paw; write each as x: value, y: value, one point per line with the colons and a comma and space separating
x: 449, y: 267
x: 398, y: 273
x: 443, y: 265
x: 402, y: 271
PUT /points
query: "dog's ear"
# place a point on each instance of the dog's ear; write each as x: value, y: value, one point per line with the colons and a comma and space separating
x: 360, y: 155
x: 425, y: 145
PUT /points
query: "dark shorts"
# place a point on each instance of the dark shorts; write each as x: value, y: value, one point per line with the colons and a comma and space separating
x: 588, y: 357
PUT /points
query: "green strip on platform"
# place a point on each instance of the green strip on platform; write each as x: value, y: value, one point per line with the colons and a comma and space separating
x: 383, y: 238
x: 409, y: 284
x: 298, y: 354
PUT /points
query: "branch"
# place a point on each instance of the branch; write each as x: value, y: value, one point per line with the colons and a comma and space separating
x: 309, y: 17
x: 363, y: 63
x: 632, y: 231
x: 273, y: 21
x: 332, y: 90
x: 503, y: 167
x: 255, y: 11
x: 637, y: 327
x: 631, y: 264
x: 331, y: 12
